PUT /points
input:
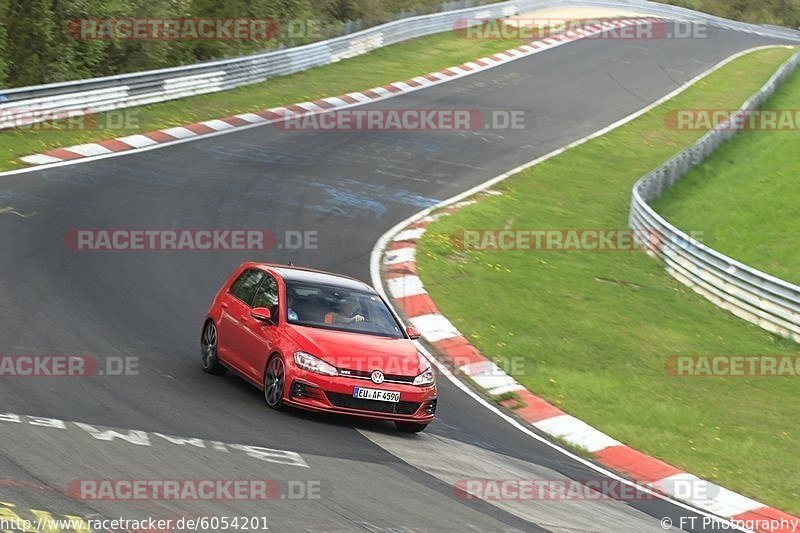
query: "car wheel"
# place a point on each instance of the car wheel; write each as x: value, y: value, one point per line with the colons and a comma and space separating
x: 410, y: 427
x: 208, y: 351
x: 274, y: 379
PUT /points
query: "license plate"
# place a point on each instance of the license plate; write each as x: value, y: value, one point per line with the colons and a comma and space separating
x: 375, y: 394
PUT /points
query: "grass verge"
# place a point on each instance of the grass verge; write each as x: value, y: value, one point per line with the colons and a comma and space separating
x: 379, y: 67
x: 745, y: 196
x: 596, y: 328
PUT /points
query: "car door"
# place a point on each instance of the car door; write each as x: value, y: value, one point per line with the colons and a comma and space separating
x: 233, y: 333
x: 261, y: 336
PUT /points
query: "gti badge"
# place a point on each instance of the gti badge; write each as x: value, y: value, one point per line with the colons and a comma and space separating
x: 377, y: 376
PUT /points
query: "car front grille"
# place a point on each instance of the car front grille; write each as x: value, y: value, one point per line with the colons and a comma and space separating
x: 391, y: 378
x: 346, y: 400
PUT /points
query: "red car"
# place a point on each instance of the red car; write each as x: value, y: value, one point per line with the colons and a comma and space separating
x: 318, y: 341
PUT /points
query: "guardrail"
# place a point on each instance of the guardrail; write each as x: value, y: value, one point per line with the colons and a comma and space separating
x: 114, y: 92
x: 45, y: 102
x: 764, y: 300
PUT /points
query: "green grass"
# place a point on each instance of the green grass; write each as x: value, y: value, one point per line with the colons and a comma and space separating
x: 595, y: 328
x: 746, y: 197
x: 379, y: 67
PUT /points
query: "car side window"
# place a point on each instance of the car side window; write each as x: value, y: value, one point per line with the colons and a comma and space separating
x: 267, y: 294
x: 245, y: 285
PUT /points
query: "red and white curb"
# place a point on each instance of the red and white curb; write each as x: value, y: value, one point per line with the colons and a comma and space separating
x: 277, y: 114
x: 407, y: 293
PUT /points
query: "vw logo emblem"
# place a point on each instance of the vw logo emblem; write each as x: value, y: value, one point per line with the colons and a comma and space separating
x: 377, y: 376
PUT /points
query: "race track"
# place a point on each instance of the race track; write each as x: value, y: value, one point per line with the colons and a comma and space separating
x: 349, y: 187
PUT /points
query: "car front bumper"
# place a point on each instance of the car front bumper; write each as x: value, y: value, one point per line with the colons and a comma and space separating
x: 334, y: 394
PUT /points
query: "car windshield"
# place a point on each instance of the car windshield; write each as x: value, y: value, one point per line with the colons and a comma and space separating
x: 325, y: 306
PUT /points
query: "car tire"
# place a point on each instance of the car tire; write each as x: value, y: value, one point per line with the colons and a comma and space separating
x: 208, y: 351
x: 274, y: 382
x: 410, y: 427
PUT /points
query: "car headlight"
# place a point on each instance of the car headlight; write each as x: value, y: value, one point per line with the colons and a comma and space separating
x: 426, y: 378
x: 314, y: 364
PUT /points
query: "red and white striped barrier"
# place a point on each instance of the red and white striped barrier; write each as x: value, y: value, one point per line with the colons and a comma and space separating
x: 408, y: 294
x: 276, y: 114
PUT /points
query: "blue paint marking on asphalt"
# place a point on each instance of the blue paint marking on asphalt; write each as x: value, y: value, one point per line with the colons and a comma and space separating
x: 341, y: 196
x: 428, y: 146
x: 405, y: 197
x: 351, y: 193
x: 349, y: 198
x: 258, y: 154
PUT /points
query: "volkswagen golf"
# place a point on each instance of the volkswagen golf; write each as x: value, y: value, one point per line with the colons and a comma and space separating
x: 318, y: 341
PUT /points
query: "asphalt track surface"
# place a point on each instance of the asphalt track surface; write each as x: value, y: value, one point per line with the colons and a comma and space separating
x: 349, y: 187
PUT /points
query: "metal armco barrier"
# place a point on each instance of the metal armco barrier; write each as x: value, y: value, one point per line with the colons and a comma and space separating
x: 44, y: 102
x: 764, y: 300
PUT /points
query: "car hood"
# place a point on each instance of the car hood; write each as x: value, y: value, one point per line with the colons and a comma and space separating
x: 359, y: 351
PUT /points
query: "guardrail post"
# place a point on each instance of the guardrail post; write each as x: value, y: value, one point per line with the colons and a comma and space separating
x: 769, y: 302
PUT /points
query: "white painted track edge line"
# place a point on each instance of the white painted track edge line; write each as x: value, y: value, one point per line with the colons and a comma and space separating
x: 377, y: 281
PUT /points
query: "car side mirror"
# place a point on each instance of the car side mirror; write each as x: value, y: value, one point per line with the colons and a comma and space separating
x: 261, y: 313
x: 413, y: 333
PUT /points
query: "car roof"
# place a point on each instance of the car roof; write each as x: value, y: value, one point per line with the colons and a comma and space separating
x: 308, y: 275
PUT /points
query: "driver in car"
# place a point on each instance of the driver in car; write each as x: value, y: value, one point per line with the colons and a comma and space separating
x: 291, y: 313
x: 349, y: 311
